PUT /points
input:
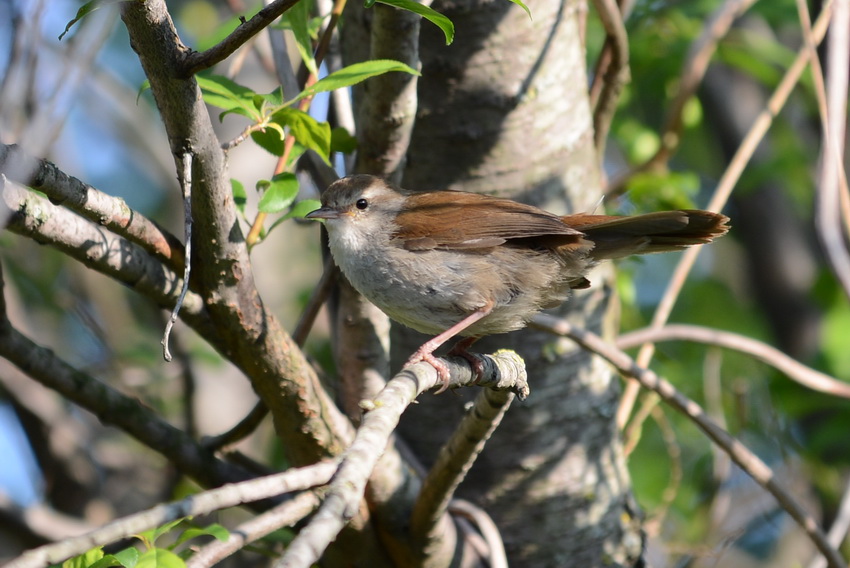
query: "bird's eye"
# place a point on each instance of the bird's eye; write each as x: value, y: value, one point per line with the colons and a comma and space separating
x: 362, y: 204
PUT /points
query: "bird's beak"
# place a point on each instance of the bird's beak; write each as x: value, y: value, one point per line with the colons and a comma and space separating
x: 323, y: 213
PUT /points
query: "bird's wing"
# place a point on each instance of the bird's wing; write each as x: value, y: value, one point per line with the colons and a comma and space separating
x: 474, y: 221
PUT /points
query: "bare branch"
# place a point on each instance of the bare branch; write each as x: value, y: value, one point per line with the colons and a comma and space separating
x: 196, y: 61
x: 504, y: 370
x: 616, y: 71
x: 284, y: 515
x: 33, y: 216
x: 201, y: 503
x: 303, y: 413
x: 795, y: 370
x: 721, y: 195
x: 451, y: 466
x: 693, y: 72
x: 116, y: 409
x: 495, y: 553
x: 186, y: 185
x: 388, y: 109
x: 96, y: 206
x: 750, y: 463
x: 832, y: 174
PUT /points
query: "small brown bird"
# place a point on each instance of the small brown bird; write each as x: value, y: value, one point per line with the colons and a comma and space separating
x: 454, y: 263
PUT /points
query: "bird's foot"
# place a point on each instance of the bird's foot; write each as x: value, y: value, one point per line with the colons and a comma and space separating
x: 443, y: 374
x: 460, y: 350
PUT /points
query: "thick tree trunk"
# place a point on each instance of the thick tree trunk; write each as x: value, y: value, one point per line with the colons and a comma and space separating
x: 504, y: 110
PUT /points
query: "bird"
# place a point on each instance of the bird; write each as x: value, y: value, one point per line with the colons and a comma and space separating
x: 452, y: 263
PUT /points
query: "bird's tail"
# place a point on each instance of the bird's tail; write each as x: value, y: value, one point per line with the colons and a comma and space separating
x: 616, y: 237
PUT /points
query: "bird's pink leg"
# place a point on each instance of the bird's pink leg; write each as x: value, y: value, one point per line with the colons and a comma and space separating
x: 425, y: 353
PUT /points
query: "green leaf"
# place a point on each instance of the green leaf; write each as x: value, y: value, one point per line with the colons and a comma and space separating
x: 430, y: 14
x: 150, y: 537
x: 240, y: 196
x: 353, y: 74
x: 85, y: 10
x: 128, y: 558
x: 523, y: 6
x: 342, y: 141
x: 280, y: 193
x: 298, y: 211
x: 307, y: 130
x: 223, y: 93
x: 160, y: 558
x: 84, y: 560
x: 146, y: 84
x: 298, y: 18
x: 302, y: 208
x: 215, y: 529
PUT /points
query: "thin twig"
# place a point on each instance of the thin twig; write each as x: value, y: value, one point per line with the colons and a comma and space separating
x: 721, y: 194
x: 284, y: 515
x: 693, y: 71
x: 616, y: 71
x: 838, y: 531
x: 792, y: 368
x: 496, y: 556
x: 186, y: 186
x: 832, y: 174
x: 201, y: 503
x: 196, y: 61
x: 96, y: 206
x: 751, y: 464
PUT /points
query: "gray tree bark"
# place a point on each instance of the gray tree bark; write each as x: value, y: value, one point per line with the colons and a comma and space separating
x: 504, y: 110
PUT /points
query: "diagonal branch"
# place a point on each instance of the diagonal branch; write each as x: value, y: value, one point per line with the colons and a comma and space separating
x: 304, y: 415
x: 113, y: 408
x: 751, y: 464
x: 452, y: 464
x: 96, y: 206
x: 202, y: 503
x: 502, y: 371
x: 795, y: 370
x: 33, y: 216
x: 196, y: 61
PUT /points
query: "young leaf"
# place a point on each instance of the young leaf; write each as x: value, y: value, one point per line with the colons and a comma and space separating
x: 215, y: 529
x: 84, y: 11
x: 280, y: 193
x: 160, y: 558
x: 223, y: 93
x: 128, y: 558
x: 302, y: 208
x: 85, y: 559
x: 353, y: 74
x: 298, y: 18
x: 429, y: 14
x: 523, y: 6
x: 307, y: 130
x: 298, y: 211
x: 342, y: 141
x: 240, y: 197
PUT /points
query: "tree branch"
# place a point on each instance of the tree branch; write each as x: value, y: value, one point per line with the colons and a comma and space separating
x: 196, y: 61
x: 96, y: 206
x: 304, y: 415
x: 795, y: 370
x: 201, y: 503
x: 504, y: 370
x: 284, y: 515
x: 450, y: 468
x: 750, y: 463
x: 116, y: 409
x: 33, y: 216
